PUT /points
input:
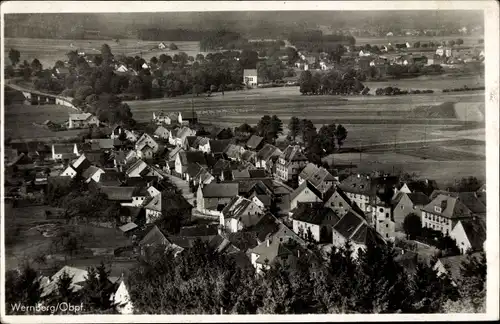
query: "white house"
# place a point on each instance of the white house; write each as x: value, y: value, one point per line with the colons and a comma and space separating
x: 122, y: 68
x: 69, y: 172
x: 250, y: 77
x: 162, y: 46
x: 316, y: 219
x: 145, y: 66
x: 120, y: 298
x: 162, y: 132
x: 470, y: 234
x: 84, y: 120
x: 240, y: 213
x: 306, y: 192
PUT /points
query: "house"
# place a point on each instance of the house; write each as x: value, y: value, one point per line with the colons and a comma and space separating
x: 267, y: 157
x: 240, y: 213
x: 452, y: 265
x: 382, y: 219
x: 250, y: 77
x: 179, y: 135
x: 337, y: 200
x: 84, y: 120
x: 122, y: 68
x: 68, y: 172
x: 191, y: 117
x: 425, y: 186
x: 314, y: 219
x: 197, y: 143
x: 164, y: 118
x: 138, y: 169
x: 198, y: 174
x: 290, y: 163
x: 120, y: 298
x: 162, y: 132
x: 126, y: 196
x: 470, y: 235
x: 364, y: 53
x: 145, y: 66
x: 162, y: 205
x: 184, y: 159
x: 306, y: 192
x: 92, y: 173
x: 324, y: 66
x: 162, y: 46
x: 146, y: 152
x: 406, y: 203
x: 215, y: 196
x: 219, y: 146
x: 366, y: 190
x: 444, y: 51
x: 103, y: 144
x: 255, y: 143
x: 234, y: 152
x: 129, y: 135
x: 78, y: 277
x: 64, y: 151
x: 319, y: 177
x: 148, y: 140
x: 275, y: 250
x: 153, y: 240
x: 445, y: 211
x: 354, y: 228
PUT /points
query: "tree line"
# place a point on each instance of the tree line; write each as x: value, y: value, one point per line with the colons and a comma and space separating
x: 202, y: 281
x: 335, y: 82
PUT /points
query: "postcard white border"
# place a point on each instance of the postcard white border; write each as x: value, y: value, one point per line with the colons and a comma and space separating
x: 491, y: 24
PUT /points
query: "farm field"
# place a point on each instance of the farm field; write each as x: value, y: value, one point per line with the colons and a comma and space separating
x: 48, y: 51
x: 19, y: 119
x: 468, y: 39
x: 30, y: 243
x: 433, y: 82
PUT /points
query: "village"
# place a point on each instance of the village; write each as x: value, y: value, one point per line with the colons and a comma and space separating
x: 252, y: 198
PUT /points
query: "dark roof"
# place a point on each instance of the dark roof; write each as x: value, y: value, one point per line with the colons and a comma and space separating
x: 419, y: 198
x: 367, y: 235
x: 219, y: 146
x: 293, y: 153
x: 348, y: 224
x: 243, y: 240
x: 471, y: 200
x: 315, y: 213
x: 90, y: 171
x: 257, y: 173
x: 475, y: 229
x: 268, y: 151
x: 174, y: 202
x: 424, y: 186
x: 64, y: 148
x: 215, y: 190
x: 112, y: 177
x: 451, y: 207
x: 118, y: 193
x: 192, y: 157
x: 304, y: 185
x: 254, y: 141
x: 154, y: 237
x: 199, y: 230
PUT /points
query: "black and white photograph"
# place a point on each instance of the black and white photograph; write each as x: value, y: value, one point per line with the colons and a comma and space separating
x: 249, y: 158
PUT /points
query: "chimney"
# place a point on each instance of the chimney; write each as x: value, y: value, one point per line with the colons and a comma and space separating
x: 444, y: 203
x: 268, y: 242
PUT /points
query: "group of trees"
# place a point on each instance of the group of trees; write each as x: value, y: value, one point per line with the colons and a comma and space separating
x: 156, y: 34
x: 269, y: 128
x: 23, y: 287
x: 395, y: 91
x: 398, y: 71
x: 202, y: 281
x: 334, y: 82
x: 318, y: 143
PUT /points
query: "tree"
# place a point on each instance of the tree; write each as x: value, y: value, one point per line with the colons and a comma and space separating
x: 340, y: 135
x: 107, y: 56
x: 153, y: 60
x: 306, y: 82
x: 22, y: 287
x: 460, y: 41
x: 412, y: 225
x: 199, y: 57
x: 308, y: 131
x: 294, y: 127
x: 14, y: 56
x: 59, y: 64
x: 173, y: 47
x: 467, y: 184
x: 326, y: 137
x: 36, y: 66
x: 249, y: 59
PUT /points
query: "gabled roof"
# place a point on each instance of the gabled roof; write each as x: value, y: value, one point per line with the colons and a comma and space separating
x: 154, y: 237
x: 419, y: 199
x: 160, y: 131
x: 451, y: 207
x: 174, y: 152
x: 87, y: 174
x: 241, y: 174
x: 192, y: 157
x: 315, y: 213
x: 199, y: 230
x: 249, y: 72
x: 348, y: 225
x: 257, y: 173
x: 78, y: 278
x: 154, y: 203
x: 64, y: 148
x: 254, y: 141
x: 219, y: 146
x: 305, y: 185
x: 316, y: 175
x: 236, y: 207
x: 104, y: 143
x: 243, y: 240
x: 471, y: 200
x: 293, y: 153
x: 220, y: 190
x: 367, y: 235
x: 268, y: 151
x: 83, y: 116
x: 475, y: 229
x: 118, y: 193
x: 233, y: 151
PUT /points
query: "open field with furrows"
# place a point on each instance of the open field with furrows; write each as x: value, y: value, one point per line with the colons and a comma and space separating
x: 19, y: 119
x: 29, y: 224
x: 468, y: 40
x: 48, y: 51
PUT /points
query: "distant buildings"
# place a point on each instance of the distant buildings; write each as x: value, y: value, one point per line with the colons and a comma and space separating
x: 84, y: 120
x: 250, y: 77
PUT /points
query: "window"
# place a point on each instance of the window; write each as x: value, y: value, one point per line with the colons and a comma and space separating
x: 387, y: 215
x: 386, y: 225
x: 437, y: 209
x: 386, y: 235
x: 402, y: 207
x: 381, y: 210
x: 340, y: 204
